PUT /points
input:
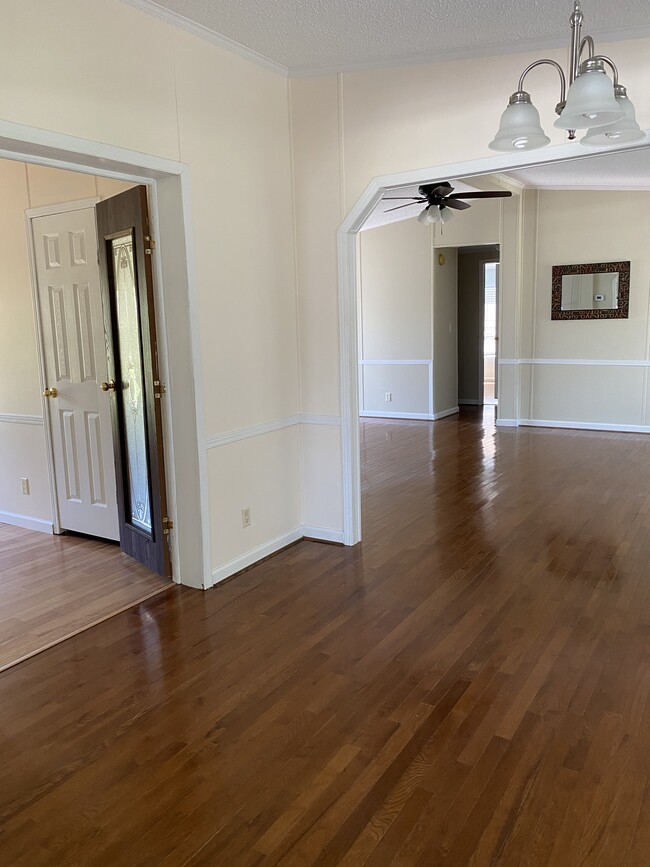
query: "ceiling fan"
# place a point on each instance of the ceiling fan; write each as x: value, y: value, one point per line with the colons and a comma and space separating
x: 439, y: 199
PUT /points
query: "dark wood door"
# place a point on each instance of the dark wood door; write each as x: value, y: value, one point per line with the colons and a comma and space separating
x: 134, y: 380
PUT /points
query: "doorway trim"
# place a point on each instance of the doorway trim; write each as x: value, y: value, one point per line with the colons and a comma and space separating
x: 348, y: 301
x: 167, y: 184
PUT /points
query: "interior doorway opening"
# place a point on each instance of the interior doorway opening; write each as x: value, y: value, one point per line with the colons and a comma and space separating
x: 490, y: 282
x: 167, y: 186
x: 509, y: 389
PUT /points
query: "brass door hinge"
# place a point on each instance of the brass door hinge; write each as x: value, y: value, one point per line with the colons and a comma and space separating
x: 160, y: 387
x: 167, y: 526
x: 151, y: 245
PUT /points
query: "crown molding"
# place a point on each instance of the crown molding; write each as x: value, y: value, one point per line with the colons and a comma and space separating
x: 149, y: 7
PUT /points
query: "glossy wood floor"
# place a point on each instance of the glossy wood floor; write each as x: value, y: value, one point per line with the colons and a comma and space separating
x: 52, y: 587
x: 469, y: 687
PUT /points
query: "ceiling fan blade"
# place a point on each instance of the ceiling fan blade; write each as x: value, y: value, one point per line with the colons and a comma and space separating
x: 402, y: 198
x: 456, y: 204
x: 407, y: 205
x: 480, y: 194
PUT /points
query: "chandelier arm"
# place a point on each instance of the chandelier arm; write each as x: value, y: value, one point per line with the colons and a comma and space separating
x: 610, y: 63
x: 550, y: 63
x: 587, y: 40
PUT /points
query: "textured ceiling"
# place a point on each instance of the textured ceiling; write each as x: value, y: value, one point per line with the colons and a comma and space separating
x: 305, y: 35
x: 627, y: 170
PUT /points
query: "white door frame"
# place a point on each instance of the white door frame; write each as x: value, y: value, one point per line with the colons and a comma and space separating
x: 348, y: 303
x: 30, y: 215
x: 176, y: 300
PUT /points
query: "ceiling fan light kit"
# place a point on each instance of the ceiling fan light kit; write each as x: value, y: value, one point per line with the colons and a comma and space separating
x: 435, y: 214
x: 594, y: 101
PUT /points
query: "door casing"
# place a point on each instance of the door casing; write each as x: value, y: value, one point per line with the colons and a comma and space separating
x: 176, y: 301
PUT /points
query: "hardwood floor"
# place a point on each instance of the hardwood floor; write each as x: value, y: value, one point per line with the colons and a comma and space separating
x: 471, y: 686
x: 52, y: 587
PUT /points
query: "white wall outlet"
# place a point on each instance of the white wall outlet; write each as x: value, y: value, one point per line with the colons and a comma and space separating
x: 389, y: 396
x: 246, y: 517
x: 25, y: 485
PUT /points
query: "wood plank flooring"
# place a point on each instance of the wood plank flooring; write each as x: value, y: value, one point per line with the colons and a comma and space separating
x: 52, y: 587
x: 468, y: 687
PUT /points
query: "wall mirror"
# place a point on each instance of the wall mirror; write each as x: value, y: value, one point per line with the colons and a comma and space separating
x: 591, y: 291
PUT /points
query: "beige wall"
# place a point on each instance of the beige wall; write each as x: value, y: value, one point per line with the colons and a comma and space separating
x: 357, y: 126
x: 395, y: 324
x: 148, y: 86
x: 22, y: 437
x: 580, y: 227
x: 445, y: 330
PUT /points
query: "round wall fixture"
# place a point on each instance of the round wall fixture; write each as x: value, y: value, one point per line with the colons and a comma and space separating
x: 441, y: 258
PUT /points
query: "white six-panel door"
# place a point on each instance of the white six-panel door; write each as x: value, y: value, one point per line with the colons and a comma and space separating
x: 74, y: 351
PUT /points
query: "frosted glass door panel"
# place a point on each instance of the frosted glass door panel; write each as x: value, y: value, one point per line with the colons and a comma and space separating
x: 130, y: 392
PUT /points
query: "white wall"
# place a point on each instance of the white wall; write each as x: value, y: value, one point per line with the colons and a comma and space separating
x: 102, y: 70
x: 572, y: 227
x: 22, y: 436
x: 396, y: 286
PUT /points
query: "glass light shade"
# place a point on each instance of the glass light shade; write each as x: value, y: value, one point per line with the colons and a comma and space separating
x: 619, y: 132
x: 431, y: 214
x: 590, y: 102
x: 446, y: 215
x: 520, y: 129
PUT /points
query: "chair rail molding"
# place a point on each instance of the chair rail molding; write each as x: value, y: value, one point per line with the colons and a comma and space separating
x: 16, y: 418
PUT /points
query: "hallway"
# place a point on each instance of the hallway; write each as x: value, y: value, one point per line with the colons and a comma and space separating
x: 470, y: 686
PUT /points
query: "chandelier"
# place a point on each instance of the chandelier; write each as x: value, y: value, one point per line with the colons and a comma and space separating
x: 594, y: 101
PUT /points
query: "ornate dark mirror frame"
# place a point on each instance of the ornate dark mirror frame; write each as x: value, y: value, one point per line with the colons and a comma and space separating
x: 621, y: 312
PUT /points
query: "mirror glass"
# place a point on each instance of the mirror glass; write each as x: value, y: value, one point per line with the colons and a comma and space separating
x: 591, y: 291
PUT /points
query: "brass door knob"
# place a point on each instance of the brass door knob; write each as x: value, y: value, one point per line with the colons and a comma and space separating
x: 108, y: 386
x: 50, y: 392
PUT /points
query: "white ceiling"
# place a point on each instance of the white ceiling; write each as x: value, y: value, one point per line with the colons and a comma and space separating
x: 616, y: 170
x: 307, y: 35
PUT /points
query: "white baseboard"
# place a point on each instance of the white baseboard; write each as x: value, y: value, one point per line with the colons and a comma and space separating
x: 585, y: 425
x: 445, y: 412
x: 26, y: 522
x: 322, y: 534
x: 573, y: 425
x: 417, y: 416
x: 366, y: 413
x: 220, y: 573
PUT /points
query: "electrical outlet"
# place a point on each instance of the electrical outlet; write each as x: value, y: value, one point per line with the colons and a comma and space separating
x: 246, y: 517
x: 389, y: 396
x: 25, y: 485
